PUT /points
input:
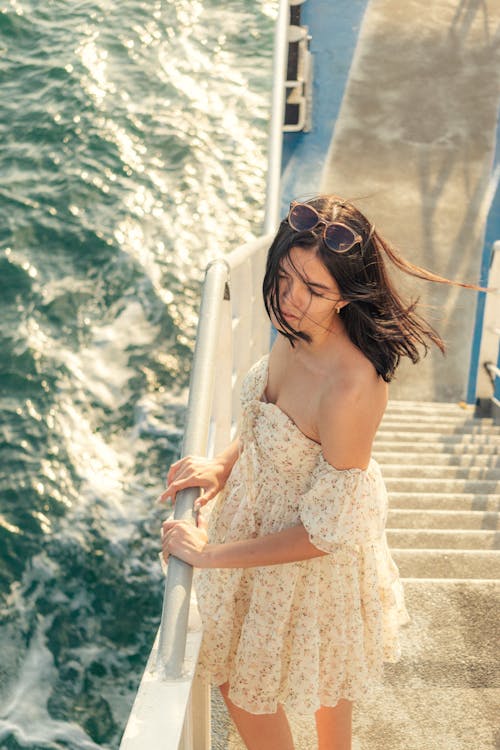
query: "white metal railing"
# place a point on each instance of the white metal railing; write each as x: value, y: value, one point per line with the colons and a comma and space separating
x: 172, y: 708
x: 275, y: 147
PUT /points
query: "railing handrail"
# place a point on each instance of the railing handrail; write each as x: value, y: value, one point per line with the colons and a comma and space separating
x: 158, y: 715
x: 216, y: 289
x: 173, y: 627
x: 273, y: 185
x: 244, y: 252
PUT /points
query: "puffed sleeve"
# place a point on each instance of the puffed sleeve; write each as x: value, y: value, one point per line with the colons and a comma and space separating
x: 344, y: 506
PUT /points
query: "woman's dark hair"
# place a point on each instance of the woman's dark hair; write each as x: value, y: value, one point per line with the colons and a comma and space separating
x: 376, y: 319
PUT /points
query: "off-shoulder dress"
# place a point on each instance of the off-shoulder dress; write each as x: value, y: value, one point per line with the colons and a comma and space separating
x: 308, y: 633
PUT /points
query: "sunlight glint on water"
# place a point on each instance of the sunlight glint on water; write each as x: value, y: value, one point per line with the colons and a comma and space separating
x: 133, y: 149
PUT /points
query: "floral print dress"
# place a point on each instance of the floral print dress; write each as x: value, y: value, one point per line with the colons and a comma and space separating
x: 308, y: 633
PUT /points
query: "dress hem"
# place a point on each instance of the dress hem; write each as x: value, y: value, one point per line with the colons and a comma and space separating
x: 298, y: 709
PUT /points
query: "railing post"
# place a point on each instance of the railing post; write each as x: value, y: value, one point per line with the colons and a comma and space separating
x: 478, y: 326
x: 496, y: 390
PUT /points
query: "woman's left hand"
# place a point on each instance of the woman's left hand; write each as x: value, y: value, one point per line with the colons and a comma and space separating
x: 185, y: 541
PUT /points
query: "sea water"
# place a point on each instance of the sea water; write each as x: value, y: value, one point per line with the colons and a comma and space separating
x: 133, y: 143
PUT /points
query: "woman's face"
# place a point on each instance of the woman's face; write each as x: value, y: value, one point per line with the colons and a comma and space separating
x: 308, y: 294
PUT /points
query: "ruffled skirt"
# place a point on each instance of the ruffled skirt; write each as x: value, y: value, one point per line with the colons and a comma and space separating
x: 303, y: 634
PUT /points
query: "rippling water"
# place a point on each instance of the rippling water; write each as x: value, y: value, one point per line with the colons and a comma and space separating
x: 132, y: 149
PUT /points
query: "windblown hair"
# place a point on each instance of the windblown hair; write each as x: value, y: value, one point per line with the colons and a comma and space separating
x: 377, y: 320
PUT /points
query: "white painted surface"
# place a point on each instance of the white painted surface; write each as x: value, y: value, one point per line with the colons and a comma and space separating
x: 157, y: 718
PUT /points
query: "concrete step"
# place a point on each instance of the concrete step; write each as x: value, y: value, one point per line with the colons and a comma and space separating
x: 407, y: 715
x: 446, y: 685
x: 429, y: 407
x: 403, y: 470
x: 456, y: 619
x: 443, y: 519
x: 467, y: 539
x: 413, y: 439
x: 397, y: 426
x: 447, y: 563
x: 444, y: 501
x: 447, y: 447
x: 488, y: 460
x: 408, y: 484
x: 432, y: 471
x: 436, y: 419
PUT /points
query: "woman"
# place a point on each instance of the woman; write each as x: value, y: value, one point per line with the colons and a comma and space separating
x: 300, y: 598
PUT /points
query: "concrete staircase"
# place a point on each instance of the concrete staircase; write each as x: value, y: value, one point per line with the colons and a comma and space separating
x: 442, y: 470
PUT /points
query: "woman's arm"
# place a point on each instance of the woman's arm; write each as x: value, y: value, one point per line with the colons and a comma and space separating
x: 227, y: 458
x: 189, y: 543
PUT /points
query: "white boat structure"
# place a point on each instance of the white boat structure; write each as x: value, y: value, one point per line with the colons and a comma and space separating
x: 350, y: 117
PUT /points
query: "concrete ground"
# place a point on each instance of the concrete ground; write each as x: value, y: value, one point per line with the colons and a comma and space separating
x: 413, y: 147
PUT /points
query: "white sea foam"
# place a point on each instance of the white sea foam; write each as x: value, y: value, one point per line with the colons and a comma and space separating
x: 24, y: 711
x: 138, y: 154
x: 102, y: 367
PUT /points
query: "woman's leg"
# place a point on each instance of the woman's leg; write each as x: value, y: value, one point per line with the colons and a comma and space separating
x: 260, y: 731
x: 334, y: 725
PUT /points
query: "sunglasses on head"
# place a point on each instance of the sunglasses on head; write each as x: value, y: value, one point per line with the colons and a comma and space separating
x: 337, y: 236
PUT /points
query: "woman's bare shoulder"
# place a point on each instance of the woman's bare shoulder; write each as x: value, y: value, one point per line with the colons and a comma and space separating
x: 349, y: 413
x: 355, y: 386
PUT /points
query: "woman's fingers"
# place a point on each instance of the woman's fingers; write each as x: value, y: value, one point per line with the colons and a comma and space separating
x: 168, y: 530
x: 180, y: 467
x: 205, y: 496
x: 175, y: 469
x: 163, y: 556
x: 176, y: 486
x: 165, y: 497
x: 188, y: 478
x: 201, y: 521
x: 184, y: 540
x: 167, y: 525
x: 192, y: 471
x: 164, y: 552
x: 165, y: 528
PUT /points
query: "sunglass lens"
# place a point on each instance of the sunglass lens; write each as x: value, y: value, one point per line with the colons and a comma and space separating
x: 302, y: 218
x: 339, y: 238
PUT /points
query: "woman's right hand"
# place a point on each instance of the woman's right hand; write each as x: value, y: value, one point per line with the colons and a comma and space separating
x: 210, y: 474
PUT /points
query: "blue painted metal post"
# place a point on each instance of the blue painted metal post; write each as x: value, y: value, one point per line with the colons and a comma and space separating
x: 496, y: 391
x: 478, y: 325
